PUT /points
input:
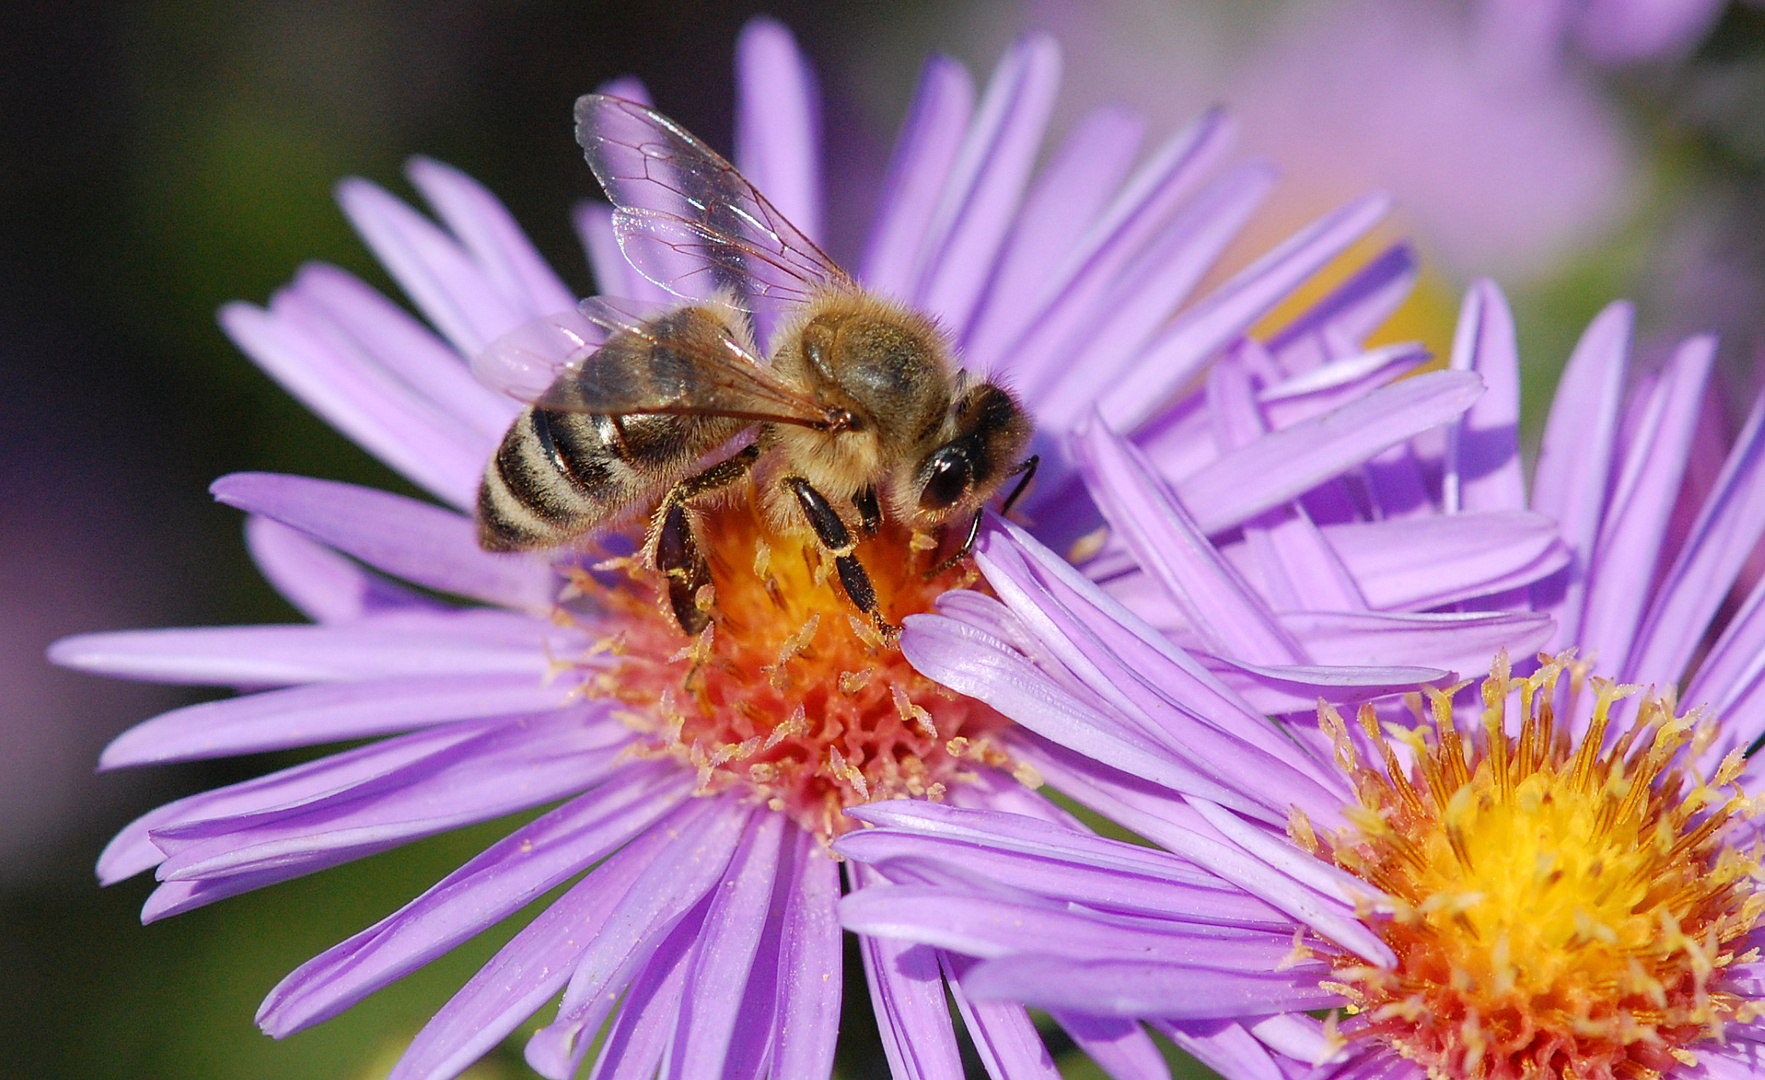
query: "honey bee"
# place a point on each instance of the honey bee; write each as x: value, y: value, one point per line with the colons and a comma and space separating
x: 859, y: 413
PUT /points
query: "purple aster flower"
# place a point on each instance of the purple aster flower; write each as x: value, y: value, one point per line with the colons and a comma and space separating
x: 1555, y: 878
x: 701, y: 779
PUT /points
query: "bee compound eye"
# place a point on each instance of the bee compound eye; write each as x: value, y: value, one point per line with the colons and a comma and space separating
x: 947, y: 478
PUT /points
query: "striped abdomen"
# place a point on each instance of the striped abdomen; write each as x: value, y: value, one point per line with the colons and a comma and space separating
x: 560, y: 475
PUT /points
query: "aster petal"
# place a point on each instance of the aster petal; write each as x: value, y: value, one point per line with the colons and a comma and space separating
x: 778, y: 122
x: 1483, y: 447
x: 1132, y: 268
x: 672, y: 885
x: 1729, y: 678
x: 1223, y: 1046
x: 510, y: 767
x: 991, y: 926
x: 957, y: 657
x: 1002, y: 1033
x: 405, y: 347
x: 131, y: 852
x: 495, y: 884
x: 649, y: 1012
x: 413, y: 540
x: 1299, y: 688
x: 719, y: 973
x: 1636, y: 519
x: 1426, y: 562
x: 488, y: 232
x: 1570, y: 483
x: 1334, y: 326
x: 1136, y: 304
x: 1066, y: 196
x: 918, y: 172
x: 1331, y: 385
x: 1457, y: 641
x: 1149, y: 988
x: 325, y: 712
x: 1180, y: 677
x: 537, y: 961
x: 1009, y: 850
x: 1120, y: 1046
x: 907, y: 991
x: 987, y: 179
x: 451, y: 288
x: 386, y: 646
x: 1216, y: 602
x: 359, y: 398
x: 1140, y: 387
x: 1153, y: 815
x: 809, y: 963
x: 1287, y: 464
x: 325, y: 586
x: 1725, y: 533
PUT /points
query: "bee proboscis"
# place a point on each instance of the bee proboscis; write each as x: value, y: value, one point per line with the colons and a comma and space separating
x: 859, y: 414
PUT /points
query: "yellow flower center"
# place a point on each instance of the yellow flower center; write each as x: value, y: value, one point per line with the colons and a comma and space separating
x: 1560, y: 908
x: 790, y: 692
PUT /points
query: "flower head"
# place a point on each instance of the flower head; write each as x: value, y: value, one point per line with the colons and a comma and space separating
x: 1553, y: 876
x: 698, y: 778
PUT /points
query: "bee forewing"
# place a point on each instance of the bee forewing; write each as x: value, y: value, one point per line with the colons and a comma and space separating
x: 524, y: 362
x: 687, y: 219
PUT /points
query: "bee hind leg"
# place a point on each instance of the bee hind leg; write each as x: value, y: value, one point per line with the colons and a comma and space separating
x: 677, y: 552
x: 837, y: 539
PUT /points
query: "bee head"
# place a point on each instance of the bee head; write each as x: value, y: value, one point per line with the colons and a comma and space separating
x: 985, y: 434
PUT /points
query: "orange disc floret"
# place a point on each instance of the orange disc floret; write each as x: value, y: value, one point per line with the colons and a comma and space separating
x: 1560, y: 907
x: 790, y: 692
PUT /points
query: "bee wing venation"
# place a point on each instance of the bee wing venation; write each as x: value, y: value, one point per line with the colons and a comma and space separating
x: 685, y: 361
x: 687, y: 219
x: 524, y: 362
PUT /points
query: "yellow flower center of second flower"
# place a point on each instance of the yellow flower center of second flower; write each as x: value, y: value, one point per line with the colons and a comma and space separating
x: 1559, y: 907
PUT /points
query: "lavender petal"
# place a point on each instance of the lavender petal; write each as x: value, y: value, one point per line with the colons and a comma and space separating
x: 930, y: 139
x: 809, y: 963
x: 1119, y: 1046
x: 325, y: 712
x: 325, y: 586
x: 1411, y: 563
x: 1137, y: 391
x: 1727, y: 529
x: 490, y: 235
x: 493, y: 885
x: 719, y: 973
x: 987, y: 180
x: 778, y: 123
x: 1483, y: 447
x: 450, y: 287
x: 1148, y: 988
x: 1224, y: 1046
x: 388, y: 646
x: 537, y: 961
x: 1636, y: 519
x: 907, y: 992
x: 1002, y: 1033
x: 670, y: 887
x: 1287, y: 464
x: 1335, y: 325
x: 359, y: 399
x: 1570, y: 483
x: 409, y: 539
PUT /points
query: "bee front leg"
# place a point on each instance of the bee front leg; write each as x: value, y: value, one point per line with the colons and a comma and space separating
x: 677, y: 550
x: 869, y: 512
x: 837, y: 539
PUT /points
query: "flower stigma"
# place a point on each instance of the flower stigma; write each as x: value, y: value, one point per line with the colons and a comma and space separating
x: 790, y: 691
x: 1561, y: 907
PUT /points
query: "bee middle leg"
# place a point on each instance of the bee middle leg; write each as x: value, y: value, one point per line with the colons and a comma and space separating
x: 677, y: 549
x: 836, y: 538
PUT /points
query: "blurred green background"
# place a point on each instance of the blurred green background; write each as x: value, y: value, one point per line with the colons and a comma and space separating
x: 160, y: 158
